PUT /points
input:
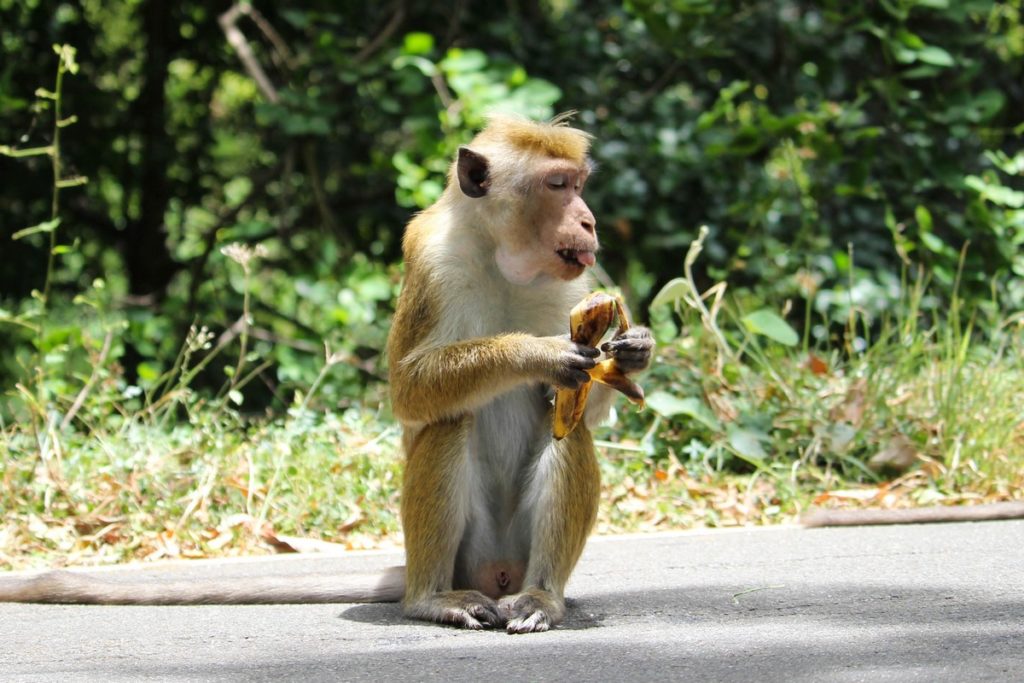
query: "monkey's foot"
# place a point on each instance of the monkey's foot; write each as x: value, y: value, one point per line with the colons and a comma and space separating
x: 531, y: 611
x: 466, y: 609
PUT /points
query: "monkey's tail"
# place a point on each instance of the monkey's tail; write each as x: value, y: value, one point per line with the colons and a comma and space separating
x: 927, y: 515
x: 70, y: 587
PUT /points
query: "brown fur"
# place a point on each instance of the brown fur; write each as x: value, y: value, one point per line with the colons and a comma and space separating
x: 554, y: 140
x: 492, y: 506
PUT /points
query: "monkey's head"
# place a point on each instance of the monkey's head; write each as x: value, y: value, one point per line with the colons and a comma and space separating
x: 523, y: 181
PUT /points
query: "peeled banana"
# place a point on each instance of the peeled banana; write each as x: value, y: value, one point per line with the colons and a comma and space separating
x: 589, y: 320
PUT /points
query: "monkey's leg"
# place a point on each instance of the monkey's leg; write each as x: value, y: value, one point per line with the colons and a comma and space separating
x: 565, y: 488
x: 435, y: 503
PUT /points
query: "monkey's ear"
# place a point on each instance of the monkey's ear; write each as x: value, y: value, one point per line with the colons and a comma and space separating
x: 473, y: 171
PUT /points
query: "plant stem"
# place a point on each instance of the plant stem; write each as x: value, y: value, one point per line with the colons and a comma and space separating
x: 54, y: 152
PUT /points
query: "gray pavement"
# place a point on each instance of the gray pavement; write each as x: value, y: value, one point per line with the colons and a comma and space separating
x: 910, y: 603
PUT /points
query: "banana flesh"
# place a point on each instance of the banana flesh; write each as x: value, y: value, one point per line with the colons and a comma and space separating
x: 589, y: 321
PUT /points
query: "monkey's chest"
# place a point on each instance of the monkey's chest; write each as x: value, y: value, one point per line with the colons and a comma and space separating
x: 507, y: 436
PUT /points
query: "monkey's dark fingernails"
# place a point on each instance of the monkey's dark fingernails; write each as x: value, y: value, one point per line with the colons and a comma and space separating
x: 588, y: 351
x: 576, y: 379
x: 488, y: 616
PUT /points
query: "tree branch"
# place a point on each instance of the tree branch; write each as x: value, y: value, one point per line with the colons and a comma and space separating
x: 228, y: 22
x: 381, y: 38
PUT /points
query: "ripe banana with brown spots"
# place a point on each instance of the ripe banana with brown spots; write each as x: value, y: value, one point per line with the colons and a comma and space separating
x: 589, y: 321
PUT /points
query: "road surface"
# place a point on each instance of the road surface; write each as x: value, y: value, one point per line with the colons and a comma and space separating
x: 910, y: 603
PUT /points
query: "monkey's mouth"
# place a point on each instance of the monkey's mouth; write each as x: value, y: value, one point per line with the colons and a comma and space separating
x: 580, y: 258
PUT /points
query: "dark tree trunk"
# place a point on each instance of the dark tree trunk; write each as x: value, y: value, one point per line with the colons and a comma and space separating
x: 149, y: 262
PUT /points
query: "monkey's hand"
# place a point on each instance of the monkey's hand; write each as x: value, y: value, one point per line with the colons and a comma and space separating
x: 567, y: 362
x: 628, y: 351
x: 632, y: 349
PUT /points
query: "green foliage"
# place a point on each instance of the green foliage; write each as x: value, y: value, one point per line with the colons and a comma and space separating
x: 793, y: 130
x: 470, y: 86
x: 211, y: 240
x: 742, y: 394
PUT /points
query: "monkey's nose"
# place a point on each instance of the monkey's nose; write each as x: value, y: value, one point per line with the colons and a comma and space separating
x: 588, y: 223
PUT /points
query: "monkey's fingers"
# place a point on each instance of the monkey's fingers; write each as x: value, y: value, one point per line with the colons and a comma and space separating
x: 608, y: 372
x: 632, y: 350
x: 589, y: 320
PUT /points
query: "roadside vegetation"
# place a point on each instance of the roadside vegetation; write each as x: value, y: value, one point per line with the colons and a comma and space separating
x: 195, y: 289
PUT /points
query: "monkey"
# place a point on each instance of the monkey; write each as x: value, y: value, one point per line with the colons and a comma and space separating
x: 495, y: 511
x: 925, y: 515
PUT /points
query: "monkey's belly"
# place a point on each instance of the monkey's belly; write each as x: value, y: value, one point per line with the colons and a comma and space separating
x: 495, y: 579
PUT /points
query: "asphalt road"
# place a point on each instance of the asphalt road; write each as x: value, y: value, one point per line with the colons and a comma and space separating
x: 912, y: 603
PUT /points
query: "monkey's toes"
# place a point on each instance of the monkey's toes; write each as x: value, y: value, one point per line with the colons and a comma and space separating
x: 530, y: 612
x: 534, y: 623
x: 488, y: 615
x: 475, y: 618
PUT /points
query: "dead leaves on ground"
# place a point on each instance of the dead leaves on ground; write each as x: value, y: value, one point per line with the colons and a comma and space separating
x: 666, y: 496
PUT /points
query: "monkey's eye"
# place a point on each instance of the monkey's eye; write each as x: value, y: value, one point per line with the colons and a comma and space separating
x: 558, y: 181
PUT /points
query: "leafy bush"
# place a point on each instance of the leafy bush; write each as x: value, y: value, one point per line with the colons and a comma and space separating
x: 793, y: 130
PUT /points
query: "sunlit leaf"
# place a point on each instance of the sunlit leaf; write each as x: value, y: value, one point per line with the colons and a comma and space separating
x: 418, y: 43
x: 464, y: 61
x: 935, y: 56
x: 768, y: 323
x: 667, y: 405
x: 47, y: 226
x: 673, y: 291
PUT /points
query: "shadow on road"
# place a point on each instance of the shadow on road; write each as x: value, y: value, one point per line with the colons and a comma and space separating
x: 822, y: 631
x: 390, y: 615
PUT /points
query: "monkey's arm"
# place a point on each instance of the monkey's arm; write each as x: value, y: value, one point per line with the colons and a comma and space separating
x: 440, y: 381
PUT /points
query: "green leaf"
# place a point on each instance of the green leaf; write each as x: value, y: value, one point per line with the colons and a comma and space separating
x: 424, y: 65
x: 464, y: 61
x: 73, y: 181
x: 747, y: 443
x: 418, y: 43
x: 768, y: 323
x: 374, y: 287
x: 997, y: 194
x: 538, y: 92
x: 923, y: 217
x: 911, y: 40
x: 147, y: 371
x: 667, y: 405
x: 673, y: 291
x: 48, y: 226
x: 297, y: 18
x: 933, y: 243
x: 935, y: 56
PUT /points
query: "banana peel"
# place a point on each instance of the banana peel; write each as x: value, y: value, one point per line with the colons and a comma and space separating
x: 589, y: 321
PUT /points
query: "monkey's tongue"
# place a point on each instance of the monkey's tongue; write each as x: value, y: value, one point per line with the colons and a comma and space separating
x: 580, y: 257
x: 586, y: 258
